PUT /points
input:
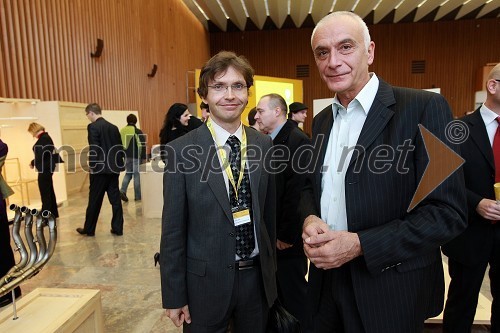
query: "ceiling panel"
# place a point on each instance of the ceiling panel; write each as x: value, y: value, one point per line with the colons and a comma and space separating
x: 384, y: 11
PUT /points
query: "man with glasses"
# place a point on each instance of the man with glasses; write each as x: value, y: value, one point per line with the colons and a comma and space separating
x: 479, y: 245
x: 217, y: 251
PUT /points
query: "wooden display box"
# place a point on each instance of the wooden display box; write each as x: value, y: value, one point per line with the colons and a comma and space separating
x: 55, y: 310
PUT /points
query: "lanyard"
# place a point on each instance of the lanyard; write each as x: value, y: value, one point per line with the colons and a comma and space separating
x: 225, y: 160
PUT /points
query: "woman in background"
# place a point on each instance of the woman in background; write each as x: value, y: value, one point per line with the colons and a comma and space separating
x: 45, y: 165
x: 175, y: 124
x: 7, y: 260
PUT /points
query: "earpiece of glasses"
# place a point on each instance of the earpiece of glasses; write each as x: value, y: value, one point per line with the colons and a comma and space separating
x: 223, y: 88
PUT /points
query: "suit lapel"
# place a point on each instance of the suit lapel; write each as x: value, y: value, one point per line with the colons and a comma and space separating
x: 324, y: 135
x: 480, y: 137
x: 378, y: 117
x: 253, y: 167
x: 211, y: 169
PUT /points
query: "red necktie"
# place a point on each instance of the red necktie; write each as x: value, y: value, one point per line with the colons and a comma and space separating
x: 496, y: 152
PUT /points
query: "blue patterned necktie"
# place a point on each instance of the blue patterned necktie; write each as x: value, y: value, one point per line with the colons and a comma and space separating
x: 245, y: 242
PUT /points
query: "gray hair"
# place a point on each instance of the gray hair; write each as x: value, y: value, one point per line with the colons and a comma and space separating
x: 354, y: 16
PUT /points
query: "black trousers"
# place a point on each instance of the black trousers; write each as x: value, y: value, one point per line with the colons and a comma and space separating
x: 47, y: 194
x: 464, y: 290
x: 99, y: 185
x: 7, y: 260
x: 292, y: 284
x: 248, y: 309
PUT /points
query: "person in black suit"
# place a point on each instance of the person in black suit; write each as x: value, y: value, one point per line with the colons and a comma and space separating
x: 45, y: 164
x: 290, y: 167
x: 298, y: 113
x: 375, y: 265
x: 217, y: 252
x: 470, y: 253
x: 106, y: 161
x: 7, y: 260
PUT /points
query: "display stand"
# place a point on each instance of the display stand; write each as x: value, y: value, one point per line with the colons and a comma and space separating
x: 55, y: 310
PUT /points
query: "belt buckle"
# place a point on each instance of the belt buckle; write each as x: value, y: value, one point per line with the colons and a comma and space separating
x: 245, y: 264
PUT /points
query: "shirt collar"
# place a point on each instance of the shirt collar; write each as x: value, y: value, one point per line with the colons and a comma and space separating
x: 487, y: 115
x: 221, y: 135
x: 277, y: 130
x: 364, y: 98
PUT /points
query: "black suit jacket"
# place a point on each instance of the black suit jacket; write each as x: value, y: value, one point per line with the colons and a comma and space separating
x: 400, y: 275
x: 474, y: 245
x: 198, y: 243
x: 106, y: 154
x: 44, y: 161
x: 293, y: 153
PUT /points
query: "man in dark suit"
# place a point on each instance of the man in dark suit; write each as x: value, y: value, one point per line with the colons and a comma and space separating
x: 470, y: 253
x: 375, y: 266
x: 291, y: 149
x: 218, y: 238
x: 105, y: 161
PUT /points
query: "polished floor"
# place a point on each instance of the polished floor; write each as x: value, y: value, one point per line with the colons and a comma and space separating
x: 121, y: 267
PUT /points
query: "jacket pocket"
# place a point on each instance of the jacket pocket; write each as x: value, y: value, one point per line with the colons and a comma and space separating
x: 196, y: 267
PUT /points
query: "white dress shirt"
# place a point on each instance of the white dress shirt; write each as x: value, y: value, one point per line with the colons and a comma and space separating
x: 344, y: 135
x: 489, y: 118
x: 221, y: 136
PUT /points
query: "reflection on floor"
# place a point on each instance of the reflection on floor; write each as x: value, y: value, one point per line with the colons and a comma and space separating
x: 121, y: 267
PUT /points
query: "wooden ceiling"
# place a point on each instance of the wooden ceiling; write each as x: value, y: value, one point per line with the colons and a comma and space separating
x: 246, y: 15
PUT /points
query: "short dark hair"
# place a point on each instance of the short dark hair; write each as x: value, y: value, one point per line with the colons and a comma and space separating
x: 251, y: 117
x: 93, y: 107
x: 204, y: 105
x: 219, y: 63
x: 131, y: 119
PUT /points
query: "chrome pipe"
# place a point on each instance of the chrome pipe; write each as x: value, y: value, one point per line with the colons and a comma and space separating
x: 18, y: 242
x: 50, y: 221
x: 28, y: 233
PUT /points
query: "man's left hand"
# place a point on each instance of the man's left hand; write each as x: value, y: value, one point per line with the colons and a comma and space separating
x: 338, y: 247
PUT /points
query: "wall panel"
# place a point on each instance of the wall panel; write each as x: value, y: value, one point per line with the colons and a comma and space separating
x: 454, y: 51
x: 46, y: 45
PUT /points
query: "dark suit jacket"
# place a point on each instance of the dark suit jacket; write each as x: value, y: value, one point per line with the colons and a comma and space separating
x: 400, y: 275
x: 474, y: 245
x: 44, y: 161
x: 198, y: 234
x: 106, y: 153
x: 292, y: 149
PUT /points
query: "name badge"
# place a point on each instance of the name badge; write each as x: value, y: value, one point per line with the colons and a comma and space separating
x: 241, y: 217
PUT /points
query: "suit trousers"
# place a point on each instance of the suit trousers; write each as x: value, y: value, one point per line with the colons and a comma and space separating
x: 464, y: 288
x: 248, y: 309
x: 47, y: 194
x: 99, y: 185
x: 292, y: 284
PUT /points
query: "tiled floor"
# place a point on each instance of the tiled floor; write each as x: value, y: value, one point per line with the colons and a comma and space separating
x: 121, y: 267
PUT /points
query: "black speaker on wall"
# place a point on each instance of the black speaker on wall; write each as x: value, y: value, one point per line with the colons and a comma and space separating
x: 153, y: 71
x: 98, y: 49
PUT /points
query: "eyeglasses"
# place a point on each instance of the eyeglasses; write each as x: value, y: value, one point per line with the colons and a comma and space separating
x: 498, y: 80
x: 221, y: 88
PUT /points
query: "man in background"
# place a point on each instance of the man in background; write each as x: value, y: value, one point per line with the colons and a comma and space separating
x: 135, y: 153
x: 290, y: 167
x: 105, y: 161
x: 298, y: 113
x: 251, y: 119
x: 470, y: 253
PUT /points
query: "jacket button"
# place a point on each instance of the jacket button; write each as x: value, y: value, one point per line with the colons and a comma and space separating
x: 230, y: 266
x: 231, y: 234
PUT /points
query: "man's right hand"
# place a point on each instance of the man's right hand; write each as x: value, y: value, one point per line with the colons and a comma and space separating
x: 179, y: 316
x: 489, y: 209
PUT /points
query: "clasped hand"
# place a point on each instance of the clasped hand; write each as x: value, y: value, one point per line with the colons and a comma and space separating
x: 179, y: 316
x: 328, y: 248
